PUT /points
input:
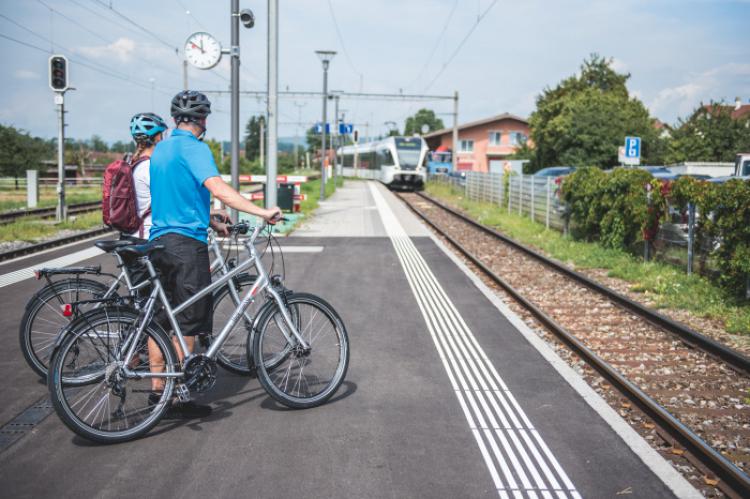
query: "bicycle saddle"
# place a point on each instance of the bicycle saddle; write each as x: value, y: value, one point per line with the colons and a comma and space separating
x: 111, y: 245
x: 138, y: 250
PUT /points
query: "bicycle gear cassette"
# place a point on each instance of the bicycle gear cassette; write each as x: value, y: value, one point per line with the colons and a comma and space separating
x: 200, y: 373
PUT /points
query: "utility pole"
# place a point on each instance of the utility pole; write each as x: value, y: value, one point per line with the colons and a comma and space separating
x: 184, y: 74
x: 234, y: 52
x: 273, y: 103
x: 262, y: 141
x: 61, y: 214
x: 455, y: 131
x: 296, y: 131
x: 325, y: 57
x: 337, y: 134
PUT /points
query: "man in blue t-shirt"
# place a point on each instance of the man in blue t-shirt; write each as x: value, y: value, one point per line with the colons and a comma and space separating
x: 183, y: 177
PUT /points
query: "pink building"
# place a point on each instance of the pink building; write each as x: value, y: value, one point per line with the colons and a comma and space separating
x: 483, y: 145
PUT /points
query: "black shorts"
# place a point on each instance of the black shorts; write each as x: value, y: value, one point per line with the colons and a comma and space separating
x: 184, y: 269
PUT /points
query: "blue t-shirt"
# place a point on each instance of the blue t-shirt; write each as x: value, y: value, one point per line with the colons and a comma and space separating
x: 179, y: 201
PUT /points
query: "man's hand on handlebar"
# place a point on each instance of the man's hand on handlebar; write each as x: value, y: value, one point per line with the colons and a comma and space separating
x: 219, y: 222
x: 272, y: 215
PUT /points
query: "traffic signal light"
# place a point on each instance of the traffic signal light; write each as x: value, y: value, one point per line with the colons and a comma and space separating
x: 356, y: 135
x: 58, y: 73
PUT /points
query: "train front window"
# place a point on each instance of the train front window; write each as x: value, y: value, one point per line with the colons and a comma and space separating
x: 409, y: 151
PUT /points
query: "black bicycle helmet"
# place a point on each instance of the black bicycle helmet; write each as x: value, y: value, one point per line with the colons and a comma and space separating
x: 190, y: 105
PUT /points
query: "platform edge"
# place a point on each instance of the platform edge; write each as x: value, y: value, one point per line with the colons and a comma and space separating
x: 653, y: 461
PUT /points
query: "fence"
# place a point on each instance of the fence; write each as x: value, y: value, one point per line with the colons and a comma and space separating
x: 538, y: 198
x: 527, y: 195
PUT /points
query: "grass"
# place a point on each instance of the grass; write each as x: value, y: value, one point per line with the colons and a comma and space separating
x: 11, y: 199
x: 32, y: 229
x: 665, y: 285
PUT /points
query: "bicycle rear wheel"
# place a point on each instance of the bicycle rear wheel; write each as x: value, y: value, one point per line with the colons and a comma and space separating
x: 296, y: 378
x: 89, y: 389
x: 43, y: 318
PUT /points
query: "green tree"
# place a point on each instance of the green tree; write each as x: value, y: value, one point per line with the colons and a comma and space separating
x: 585, y: 118
x: 20, y: 152
x: 96, y: 143
x: 313, y: 139
x: 709, y: 134
x: 252, y: 137
x: 216, y: 151
x: 422, y: 117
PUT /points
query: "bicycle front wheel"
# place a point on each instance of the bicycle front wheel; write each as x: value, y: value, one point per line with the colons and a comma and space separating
x: 43, y: 318
x: 104, y: 404
x: 295, y: 377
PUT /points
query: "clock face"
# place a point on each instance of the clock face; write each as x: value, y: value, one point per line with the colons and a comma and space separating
x: 202, y: 50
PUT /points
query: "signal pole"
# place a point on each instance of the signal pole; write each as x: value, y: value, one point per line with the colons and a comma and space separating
x: 234, y: 52
x: 273, y: 104
x: 337, y: 134
x: 454, y: 155
x: 61, y: 214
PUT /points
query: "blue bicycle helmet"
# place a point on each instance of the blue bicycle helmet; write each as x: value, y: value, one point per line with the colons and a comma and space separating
x: 146, y: 125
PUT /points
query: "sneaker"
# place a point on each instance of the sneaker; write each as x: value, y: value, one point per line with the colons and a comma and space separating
x: 187, y: 410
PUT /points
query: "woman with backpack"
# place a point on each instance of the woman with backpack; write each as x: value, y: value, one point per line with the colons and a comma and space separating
x: 147, y: 130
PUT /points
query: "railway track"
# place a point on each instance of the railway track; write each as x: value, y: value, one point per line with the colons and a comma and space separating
x: 691, y: 387
x: 34, y: 248
x: 12, y: 216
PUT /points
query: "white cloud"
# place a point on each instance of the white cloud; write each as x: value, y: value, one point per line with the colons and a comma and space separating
x: 25, y: 74
x: 723, y: 82
x: 121, y: 49
x: 618, y: 65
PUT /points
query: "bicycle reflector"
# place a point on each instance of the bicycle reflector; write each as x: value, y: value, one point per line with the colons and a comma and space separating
x: 37, y: 275
x: 67, y: 309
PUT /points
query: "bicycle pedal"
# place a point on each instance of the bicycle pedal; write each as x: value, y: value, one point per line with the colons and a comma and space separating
x: 182, y: 392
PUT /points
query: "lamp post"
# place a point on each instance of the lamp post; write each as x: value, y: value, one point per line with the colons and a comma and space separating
x: 325, y: 57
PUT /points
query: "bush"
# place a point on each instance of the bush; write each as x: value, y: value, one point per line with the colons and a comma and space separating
x: 724, y: 220
x: 615, y: 208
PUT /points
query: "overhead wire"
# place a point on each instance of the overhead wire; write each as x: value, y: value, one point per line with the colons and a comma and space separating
x: 137, y: 25
x: 437, y: 44
x: 82, y: 26
x: 460, y: 45
x: 102, y: 69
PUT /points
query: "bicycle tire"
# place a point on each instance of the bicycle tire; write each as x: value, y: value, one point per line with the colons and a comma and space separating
x: 274, y: 361
x: 62, y: 393
x: 36, y: 341
x: 232, y: 354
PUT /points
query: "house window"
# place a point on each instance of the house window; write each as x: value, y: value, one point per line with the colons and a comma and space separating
x: 517, y: 138
x: 495, y: 138
x: 466, y: 146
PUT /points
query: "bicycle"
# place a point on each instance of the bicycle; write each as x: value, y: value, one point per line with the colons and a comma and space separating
x: 49, y: 310
x: 106, y: 387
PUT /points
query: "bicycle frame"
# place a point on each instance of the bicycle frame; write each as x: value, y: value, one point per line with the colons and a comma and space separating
x: 262, y: 283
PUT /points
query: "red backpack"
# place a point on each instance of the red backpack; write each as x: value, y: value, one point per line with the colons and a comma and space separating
x: 119, y: 202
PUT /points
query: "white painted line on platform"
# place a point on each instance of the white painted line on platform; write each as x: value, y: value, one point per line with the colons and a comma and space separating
x: 28, y: 272
x: 657, y: 464
x: 285, y: 249
x: 511, y: 457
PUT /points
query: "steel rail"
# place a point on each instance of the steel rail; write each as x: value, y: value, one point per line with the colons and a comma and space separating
x: 34, y: 248
x: 726, y: 471
x: 10, y: 216
x: 690, y: 336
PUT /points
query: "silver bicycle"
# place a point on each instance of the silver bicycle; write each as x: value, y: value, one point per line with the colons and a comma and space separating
x: 49, y: 311
x: 114, y: 372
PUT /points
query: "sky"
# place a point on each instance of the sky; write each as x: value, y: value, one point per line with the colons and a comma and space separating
x: 497, y: 54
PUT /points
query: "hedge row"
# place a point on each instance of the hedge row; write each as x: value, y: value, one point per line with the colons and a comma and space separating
x: 627, y: 205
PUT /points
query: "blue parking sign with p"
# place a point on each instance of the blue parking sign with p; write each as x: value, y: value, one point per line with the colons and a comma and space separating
x: 632, y: 147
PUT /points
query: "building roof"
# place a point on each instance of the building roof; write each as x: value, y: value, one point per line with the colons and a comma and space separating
x: 472, y: 124
x: 737, y: 111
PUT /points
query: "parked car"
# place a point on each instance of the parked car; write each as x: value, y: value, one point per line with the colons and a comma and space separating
x: 741, y: 169
x: 555, y: 171
x: 660, y: 172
